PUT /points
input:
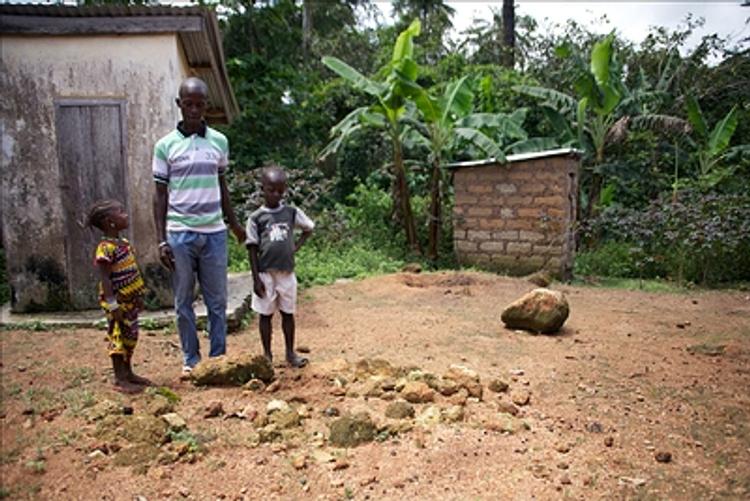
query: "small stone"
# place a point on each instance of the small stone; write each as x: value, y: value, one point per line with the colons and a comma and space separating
x: 97, y: 454
x: 459, y: 398
x: 520, y: 397
x: 184, y: 491
x: 213, y: 409
x: 429, y: 417
x: 399, y: 410
x: 174, y: 421
x: 331, y: 412
x: 368, y: 480
x: 565, y: 480
x: 28, y: 424
x: 273, y: 387
x: 498, y: 386
x: 516, y: 372
x: 507, y: 408
x: 340, y: 464
x: 303, y: 348
x: 255, y: 385
x: 417, y: 392
x: 248, y: 412
x: 663, y: 456
x: 563, y: 448
x: 595, y: 427
x: 609, y: 441
x: 277, y: 405
x: 453, y: 414
x: 299, y: 461
x: 563, y: 465
x: 127, y: 410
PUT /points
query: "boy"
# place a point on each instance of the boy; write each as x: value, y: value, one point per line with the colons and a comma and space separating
x: 271, y: 248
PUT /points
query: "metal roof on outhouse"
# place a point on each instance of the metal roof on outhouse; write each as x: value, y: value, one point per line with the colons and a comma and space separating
x: 519, y: 157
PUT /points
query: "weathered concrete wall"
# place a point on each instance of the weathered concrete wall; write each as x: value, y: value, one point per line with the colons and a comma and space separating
x: 517, y: 218
x: 145, y: 70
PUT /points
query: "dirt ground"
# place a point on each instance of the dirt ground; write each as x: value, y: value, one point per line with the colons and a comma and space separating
x: 631, y: 376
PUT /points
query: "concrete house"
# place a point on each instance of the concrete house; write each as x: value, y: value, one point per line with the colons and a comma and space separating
x: 87, y: 91
x: 517, y: 217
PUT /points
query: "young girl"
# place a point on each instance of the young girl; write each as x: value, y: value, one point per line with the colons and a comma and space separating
x: 121, y: 290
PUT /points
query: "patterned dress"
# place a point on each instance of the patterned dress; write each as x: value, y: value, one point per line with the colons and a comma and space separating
x: 128, y: 287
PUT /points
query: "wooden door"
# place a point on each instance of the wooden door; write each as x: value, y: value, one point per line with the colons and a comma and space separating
x: 91, y: 142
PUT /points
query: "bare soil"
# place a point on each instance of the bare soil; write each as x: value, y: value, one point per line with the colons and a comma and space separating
x: 631, y: 376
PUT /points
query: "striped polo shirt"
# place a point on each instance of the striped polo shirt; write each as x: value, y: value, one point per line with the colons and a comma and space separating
x: 190, y: 166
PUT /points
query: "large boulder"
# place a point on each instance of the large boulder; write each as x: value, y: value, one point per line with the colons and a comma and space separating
x: 541, y: 310
x: 234, y: 370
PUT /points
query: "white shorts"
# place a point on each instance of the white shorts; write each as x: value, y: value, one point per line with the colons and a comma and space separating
x: 281, y: 293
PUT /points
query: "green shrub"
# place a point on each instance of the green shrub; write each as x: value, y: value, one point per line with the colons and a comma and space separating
x: 611, y: 259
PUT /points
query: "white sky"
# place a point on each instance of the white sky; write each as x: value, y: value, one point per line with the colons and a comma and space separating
x: 631, y: 19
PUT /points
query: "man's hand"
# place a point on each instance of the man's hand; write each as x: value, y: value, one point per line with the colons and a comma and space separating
x: 259, y: 288
x: 166, y: 257
x: 239, y: 233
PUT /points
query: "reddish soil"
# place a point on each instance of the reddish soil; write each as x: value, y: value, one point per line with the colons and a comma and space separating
x: 631, y: 375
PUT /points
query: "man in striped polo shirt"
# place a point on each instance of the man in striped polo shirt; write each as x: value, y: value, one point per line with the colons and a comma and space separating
x: 191, y: 202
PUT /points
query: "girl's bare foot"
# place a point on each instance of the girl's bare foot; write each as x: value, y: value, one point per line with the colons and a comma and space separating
x: 133, y: 378
x: 125, y: 386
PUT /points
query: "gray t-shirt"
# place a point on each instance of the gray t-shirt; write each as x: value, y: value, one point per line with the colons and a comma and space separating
x: 272, y: 230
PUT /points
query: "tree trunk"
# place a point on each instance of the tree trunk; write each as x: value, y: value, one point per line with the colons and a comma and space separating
x: 509, y: 34
x: 402, y: 188
x: 435, y: 210
x: 307, y: 27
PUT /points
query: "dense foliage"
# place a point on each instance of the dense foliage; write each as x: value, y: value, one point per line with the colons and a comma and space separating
x: 662, y: 127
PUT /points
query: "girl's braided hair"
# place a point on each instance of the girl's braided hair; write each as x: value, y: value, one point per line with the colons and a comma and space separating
x: 99, y: 212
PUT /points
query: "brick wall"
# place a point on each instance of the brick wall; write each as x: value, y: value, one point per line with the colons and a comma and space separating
x: 517, y: 218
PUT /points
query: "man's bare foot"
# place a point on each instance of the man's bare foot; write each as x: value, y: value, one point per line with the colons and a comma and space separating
x: 135, y: 379
x: 125, y: 386
x: 296, y: 361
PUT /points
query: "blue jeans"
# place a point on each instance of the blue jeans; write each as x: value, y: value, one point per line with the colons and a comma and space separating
x: 202, y: 255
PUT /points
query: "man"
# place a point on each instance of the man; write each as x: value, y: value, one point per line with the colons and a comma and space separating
x: 190, y: 203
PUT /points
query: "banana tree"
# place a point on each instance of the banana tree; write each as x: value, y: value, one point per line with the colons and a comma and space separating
x: 594, y: 112
x: 445, y: 121
x: 712, y: 146
x: 387, y: 114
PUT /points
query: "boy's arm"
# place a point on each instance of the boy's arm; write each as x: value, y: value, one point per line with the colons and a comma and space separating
x: 306, y: 224
x: 258, y: 287
x: 105, y: 271
x: 226, y: 208
x: 302, y: 239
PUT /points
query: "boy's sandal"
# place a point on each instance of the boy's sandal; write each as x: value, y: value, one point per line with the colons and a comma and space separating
x: 298, y: 362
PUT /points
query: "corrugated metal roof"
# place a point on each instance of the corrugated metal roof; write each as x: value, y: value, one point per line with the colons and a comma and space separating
x: 519, y: 157
x: 203, y: 49
x: 98, y: 10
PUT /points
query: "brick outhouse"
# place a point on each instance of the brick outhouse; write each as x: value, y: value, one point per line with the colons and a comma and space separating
x: 517, y: 217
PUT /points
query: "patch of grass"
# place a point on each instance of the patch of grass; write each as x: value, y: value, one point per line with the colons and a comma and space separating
x: 165, y: 392
x: 194, y: 441
x: 76, y: 400
x: 67, y: 438
x: 10, y: 454
x: 633, y: 284
x: 5, y: 492
x: 36, y: 325
x: 40, y: 399
x: 78, y: 376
